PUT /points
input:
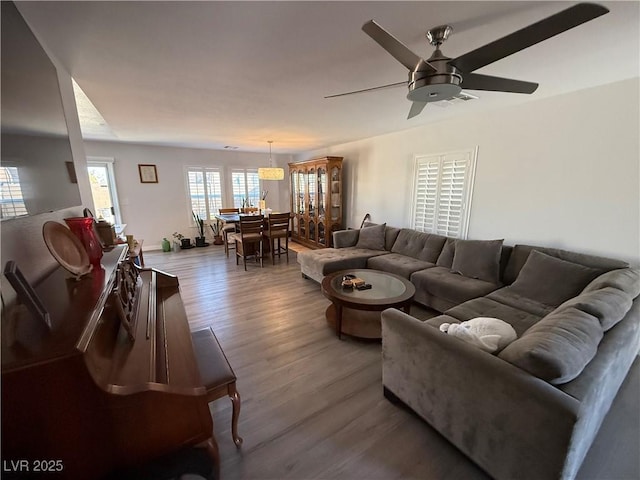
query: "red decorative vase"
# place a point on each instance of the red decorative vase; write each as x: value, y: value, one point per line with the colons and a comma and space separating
x: 82, y: 227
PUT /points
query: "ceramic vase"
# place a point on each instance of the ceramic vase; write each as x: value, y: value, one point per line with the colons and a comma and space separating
x: 82, y: 227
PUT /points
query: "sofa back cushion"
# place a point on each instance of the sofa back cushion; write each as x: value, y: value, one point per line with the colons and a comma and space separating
x: 478, y: 259
x: 550, y: 280
x: 445, y: 259
x: 558, y: 347
x: 420, y: 245
x: 390, y: 236
x: 520, y: 254
x: 446, y: 256
x: 609, y: 305
x: 372, y: 237
x: 624, y: 279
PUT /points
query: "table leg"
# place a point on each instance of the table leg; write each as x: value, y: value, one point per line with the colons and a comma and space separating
x: 338, y: 320
x: 406, y: 308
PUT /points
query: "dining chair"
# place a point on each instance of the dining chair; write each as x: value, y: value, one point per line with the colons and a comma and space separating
x: 228, y: 229
x: 278, y: 228
x: 253, y: 210
x: 249, y: 239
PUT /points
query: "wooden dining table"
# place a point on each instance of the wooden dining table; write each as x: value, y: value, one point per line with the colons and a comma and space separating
x: 234, y: 218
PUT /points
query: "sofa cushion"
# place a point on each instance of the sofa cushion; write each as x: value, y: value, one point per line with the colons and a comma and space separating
x: 445, y: 259
x: 439, y: 320
x: 625, y: 279
x: 442, y: 283
x: 485, y: 307
x: 550, y: 280
x: 318, y: 263
x: 390, y: 236
x: 398, y: 264
x: 609, y: 305
x: 420, y: 245
x: 372, y: 237
x: 511, y: 297
x: 558, y: 347
x: 520, y: 254
x: 478, y: 259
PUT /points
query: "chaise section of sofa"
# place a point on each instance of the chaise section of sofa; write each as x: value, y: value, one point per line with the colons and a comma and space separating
x: 350, y: 251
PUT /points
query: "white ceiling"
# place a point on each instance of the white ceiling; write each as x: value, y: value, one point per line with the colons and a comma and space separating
x: 212, y: 74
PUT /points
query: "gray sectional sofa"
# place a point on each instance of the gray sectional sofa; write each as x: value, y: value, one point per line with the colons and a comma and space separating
x: 532, y: 410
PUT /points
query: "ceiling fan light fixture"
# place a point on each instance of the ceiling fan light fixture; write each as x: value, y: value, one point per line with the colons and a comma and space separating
x: 433, y: 93
x: 270, y: 172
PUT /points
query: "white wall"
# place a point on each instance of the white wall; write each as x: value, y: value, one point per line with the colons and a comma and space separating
x: 156, y: 210
x: 562, y: 171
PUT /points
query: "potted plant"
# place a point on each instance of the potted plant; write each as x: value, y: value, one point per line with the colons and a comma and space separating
x: 200, y: 239
x: 217, y: 232
x: 183, y: 242
x: 246, y: 206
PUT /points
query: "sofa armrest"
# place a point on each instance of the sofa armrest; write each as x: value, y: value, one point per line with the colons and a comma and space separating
x: 509, y: 422
x: 345, y: 238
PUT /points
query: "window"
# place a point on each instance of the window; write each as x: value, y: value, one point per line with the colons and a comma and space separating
x: 103, y: 189
x: 246, y: 188
x: 11, y: 193
x: 442, y: 193
x: 205, y: 191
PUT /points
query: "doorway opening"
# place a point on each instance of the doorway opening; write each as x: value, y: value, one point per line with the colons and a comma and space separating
x: 103, y: 189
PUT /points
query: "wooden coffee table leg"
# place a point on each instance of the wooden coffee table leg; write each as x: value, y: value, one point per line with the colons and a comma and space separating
x: 407, y: 308
x: 338, y: 320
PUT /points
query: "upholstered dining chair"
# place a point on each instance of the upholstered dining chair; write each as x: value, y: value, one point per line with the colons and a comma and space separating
x: 250, y: 235
x: 228, y: 229
x: 278, y: 229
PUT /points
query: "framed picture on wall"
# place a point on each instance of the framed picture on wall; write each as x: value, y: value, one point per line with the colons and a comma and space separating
x: 148, y: 173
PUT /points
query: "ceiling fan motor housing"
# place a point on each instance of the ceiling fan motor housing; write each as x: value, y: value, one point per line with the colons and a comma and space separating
x: 428, y: 86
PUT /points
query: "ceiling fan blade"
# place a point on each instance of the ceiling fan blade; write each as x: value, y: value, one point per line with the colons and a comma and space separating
x: 395, y: 47
x: 475, y: 81
x: 528, y: 36
x: 416, y: 108
x: 364, y: 90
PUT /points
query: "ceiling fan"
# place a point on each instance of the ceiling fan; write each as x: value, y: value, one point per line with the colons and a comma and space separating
x: 441, y: 78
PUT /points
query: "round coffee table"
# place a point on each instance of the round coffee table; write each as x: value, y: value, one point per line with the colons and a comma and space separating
x: 357, y: 312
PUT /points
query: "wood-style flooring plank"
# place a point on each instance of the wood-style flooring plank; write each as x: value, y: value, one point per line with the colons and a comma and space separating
x: 312, y: 405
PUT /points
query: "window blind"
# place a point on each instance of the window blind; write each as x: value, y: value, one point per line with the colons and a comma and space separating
x: 205, y: 191
x: 442, y: 193
x: 245, y: 186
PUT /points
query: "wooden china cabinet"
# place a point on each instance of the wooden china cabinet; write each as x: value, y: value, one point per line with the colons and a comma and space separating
x: 316, y: 200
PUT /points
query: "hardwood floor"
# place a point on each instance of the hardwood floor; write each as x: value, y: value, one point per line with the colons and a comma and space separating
x: 312, y: 405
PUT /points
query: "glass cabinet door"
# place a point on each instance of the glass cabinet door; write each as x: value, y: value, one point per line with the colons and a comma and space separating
x: 301, y: 183
x: 335, y: 193
x: 322, y: 188
x: 294, y: 201
x: 312, y: 193
x: 321, y: 234
x: 294, y: 192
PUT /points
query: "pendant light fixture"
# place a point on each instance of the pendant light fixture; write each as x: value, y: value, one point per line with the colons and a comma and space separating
x: 270, y: 172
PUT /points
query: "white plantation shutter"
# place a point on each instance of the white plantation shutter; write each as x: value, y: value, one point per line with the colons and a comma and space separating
x: 426, y: 197
x: 246, y: 186
x: 205, y: 191
x: 442, y: 193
